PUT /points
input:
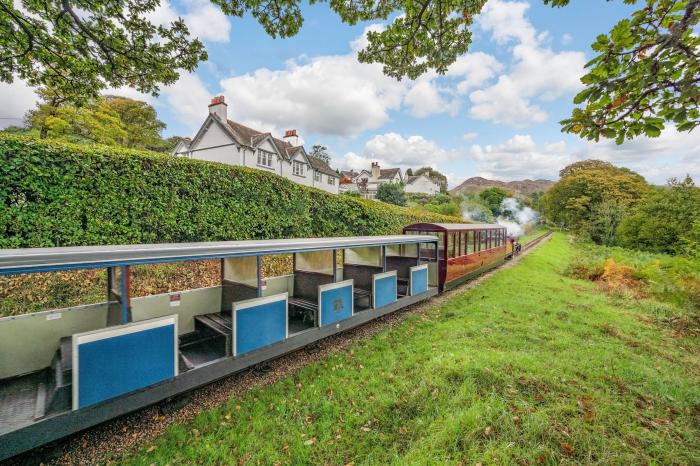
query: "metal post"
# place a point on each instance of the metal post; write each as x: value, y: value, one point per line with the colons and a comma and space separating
x: 259, y: 277
x: 125, y: 292
x: 384, y: 258
x: 335, y: 265
x: 109, y: 284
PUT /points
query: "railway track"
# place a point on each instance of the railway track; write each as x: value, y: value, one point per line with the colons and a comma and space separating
x: 536, y: 241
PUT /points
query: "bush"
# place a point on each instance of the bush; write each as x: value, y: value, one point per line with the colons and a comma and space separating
x: 391, y: 193
x: 59, y: 194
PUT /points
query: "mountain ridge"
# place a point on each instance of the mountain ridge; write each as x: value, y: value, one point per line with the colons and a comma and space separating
x: 477, y: 184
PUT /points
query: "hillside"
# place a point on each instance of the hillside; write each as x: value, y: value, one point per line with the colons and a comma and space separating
x: 477, y: 184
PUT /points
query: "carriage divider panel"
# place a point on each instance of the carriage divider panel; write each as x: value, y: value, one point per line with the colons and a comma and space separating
x: 384, y: 289
x: 306, y: 284
x: 232, y: 291
x: 361, y: 274
x: 259, y: 322
x: 401, y: 264
x: 116, y: 360
x: 336, y: 302
x: 419, y: 279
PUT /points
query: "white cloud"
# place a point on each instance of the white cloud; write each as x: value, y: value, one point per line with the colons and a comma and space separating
x: 538, y: 72
x: 673, y: 154
x: 188, y: 98
x: 203, y: 19
x: 474, y: 69
x: 469, y: 136
x: 394, y: 150
x: 332, y: 95
x: 16, y: 99
x: 424, y: 99
x: 519, y: 157
x: 567, y: 38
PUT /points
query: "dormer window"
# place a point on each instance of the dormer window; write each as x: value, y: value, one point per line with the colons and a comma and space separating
x: 297, y: 168
x: 265, y: 158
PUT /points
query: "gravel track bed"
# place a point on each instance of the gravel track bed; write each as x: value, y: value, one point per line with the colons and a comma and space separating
x: 105, y: 443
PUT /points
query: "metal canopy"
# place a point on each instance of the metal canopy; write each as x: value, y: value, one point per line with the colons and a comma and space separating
x: 451, y: 226
x: 28, y: 260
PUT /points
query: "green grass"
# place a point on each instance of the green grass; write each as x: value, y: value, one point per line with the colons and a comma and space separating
x: 529, y: 367
x: 535, y: 233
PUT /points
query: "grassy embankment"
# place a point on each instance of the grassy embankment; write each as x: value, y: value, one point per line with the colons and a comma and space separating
x: 529, y: 367
x: 533, y: 234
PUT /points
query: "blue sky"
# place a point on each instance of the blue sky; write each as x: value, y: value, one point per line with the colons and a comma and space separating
x: 495, y: 114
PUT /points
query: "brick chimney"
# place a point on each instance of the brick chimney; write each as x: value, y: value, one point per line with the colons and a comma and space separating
x: 375, y: 170
x: 218, y: 107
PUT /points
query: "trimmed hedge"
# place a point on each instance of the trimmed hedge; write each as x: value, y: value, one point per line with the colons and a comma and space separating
x: 58, y: 194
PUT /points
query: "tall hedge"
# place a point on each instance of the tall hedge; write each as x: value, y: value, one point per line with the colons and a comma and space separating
x: 58, y: 194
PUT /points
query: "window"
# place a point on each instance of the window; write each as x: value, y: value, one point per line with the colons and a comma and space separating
x: 470, y: 242
x: 297, y: 168
x: 463, y: 243
x: 331, y: 179
x: 317, y: 176
x: 450, y: 245
x: 483, y: 240
x: 265, y: 158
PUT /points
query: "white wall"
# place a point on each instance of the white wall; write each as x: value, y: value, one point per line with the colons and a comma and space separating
x: 251, y: 158
x: 206, y: 147
x: 422, y: 185
x: 323, y: 184
x: 287, y: 171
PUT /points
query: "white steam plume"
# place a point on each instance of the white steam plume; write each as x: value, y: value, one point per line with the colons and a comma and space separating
x: 516, y: 216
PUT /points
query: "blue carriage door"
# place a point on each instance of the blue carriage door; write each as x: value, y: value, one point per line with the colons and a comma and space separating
x: 117, y: 360
x: 335, y: 302
x: 259, y: 322
x: 384, y: 289
x: 419, y: 279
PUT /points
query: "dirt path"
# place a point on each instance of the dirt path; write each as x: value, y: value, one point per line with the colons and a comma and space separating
x: 112, y: 439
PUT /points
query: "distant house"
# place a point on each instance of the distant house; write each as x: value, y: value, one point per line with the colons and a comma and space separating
x: 367, y: 182
x: 422, y: 184
x: 222, y: 140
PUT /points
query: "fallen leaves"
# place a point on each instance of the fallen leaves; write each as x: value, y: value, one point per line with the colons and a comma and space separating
x: 566, y: 448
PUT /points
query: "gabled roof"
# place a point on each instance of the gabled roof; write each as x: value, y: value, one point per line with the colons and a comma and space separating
x: 322, y: 166
x: 389, y: 173
x: 349, y: 173
x: 412, y: 179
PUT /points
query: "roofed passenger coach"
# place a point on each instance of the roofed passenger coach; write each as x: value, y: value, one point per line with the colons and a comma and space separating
x: 64, y: 370
x: 464, y: 249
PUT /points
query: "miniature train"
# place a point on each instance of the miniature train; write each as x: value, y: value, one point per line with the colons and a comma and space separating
x: 64, y: 370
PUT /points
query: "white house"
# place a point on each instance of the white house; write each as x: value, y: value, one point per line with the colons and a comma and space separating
x: 422, y: 184
x: 222, y: 140
x: 367, y: 182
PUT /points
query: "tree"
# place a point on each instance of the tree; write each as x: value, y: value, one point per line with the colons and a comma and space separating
x: 320, y: 152
x: 665, y: 221
x: 79, y: 48
x: 575, y: 201
x: 492, y: 198
x: 646, y: 75
x: 409, y: 172
x: 391, y: 193
x: 107, y: 120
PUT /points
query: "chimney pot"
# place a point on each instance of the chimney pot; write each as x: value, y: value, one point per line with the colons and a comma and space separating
x: 218, y: 107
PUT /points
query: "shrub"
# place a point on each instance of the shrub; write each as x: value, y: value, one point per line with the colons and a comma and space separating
x: 59, y: 194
